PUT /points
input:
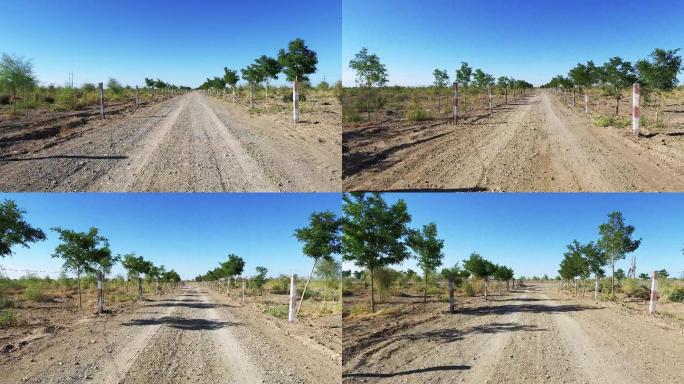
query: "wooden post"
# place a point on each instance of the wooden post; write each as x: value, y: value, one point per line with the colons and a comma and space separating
x: 654, y: 296
x: 451, y: 296
x: 244, y: 289
x: 100, y: 298
x: 293, y: 299
x: 506, y: 100
x: 454, y: 103
x: 156, y: 285
x: 137, y: 96
x: 573, y: 97
x: 101, y: 95
x: 636, y: 109
x: 586, y: 101
x: 489, y: 94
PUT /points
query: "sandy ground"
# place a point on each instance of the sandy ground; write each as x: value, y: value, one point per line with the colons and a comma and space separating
x: 191, y: 335
x: 188, y: 143
x: 530, y: 335
x: 533, y: 144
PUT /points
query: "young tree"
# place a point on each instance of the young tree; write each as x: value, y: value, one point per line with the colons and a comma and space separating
x: 616, y: 241
x: 617, y: 75
x: 172, y: 277
x: 231, y: 78
x: 659, y: 74
x: 369, y: 72
x: 373, y: 232
x: 14, y: 230
x: 321, y: 241
x: 573, y: 264
x: 83, y: 252
x: 504, y: 273
x: 149, y: 83
x: 260, y: 279
x: 233, y: 267
x: 480, y: 268
x: 15, y: 74
x: 136, y: 265
x: 583, y: 77
x: 270, y: 68
x: 253, y: 75
x: 428, y: 250
x: 102, y: 262
x: 329, y: 270
x: 662, y: 274
x: 297, y: 64
x: 114, y: 86
x: 441, y: 81
x: 596, y: 259
x: 503, y: 83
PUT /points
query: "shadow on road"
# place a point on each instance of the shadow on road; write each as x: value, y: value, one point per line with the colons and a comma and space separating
x: 190, y: 304
x: 530, y: 308
x: 78, y: 157
x: 184, y: 324
x: 409, y: 372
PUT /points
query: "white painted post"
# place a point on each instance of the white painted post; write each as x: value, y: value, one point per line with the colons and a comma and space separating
x: 596, y: 288
x: 137, y: 96
x: 233, y: 94
x: 295, y: 101
x: 573, y: 97
x: 156, y: 285
x: 293, y: 299
x: 100, y: 298
x: 244, y: 289
x: 454, y: 103
x: 654, y: 296
x: 451, y: 296
x: 101, y: 96
x: 636, y: 109
x: 586, y: 101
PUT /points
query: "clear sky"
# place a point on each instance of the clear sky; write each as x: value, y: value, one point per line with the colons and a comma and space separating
x: 190, y: 233
x: 182, y: 42
x: 529, y: 232
x: 531, y: 40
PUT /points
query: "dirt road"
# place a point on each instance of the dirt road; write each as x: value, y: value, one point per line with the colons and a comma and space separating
x: 188, y: 143
x: 528, y: 336
x: 191, y: 336
x: 534, y: 144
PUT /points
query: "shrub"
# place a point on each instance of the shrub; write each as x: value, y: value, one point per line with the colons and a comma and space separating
x: 416, y: 114
x: 5, y: 99
x: 468, y: 289
x: 287, y: 98
x: 349, y: 115
x: 279, y: 311
x: 6, y: 303
x: 677, y: 295
x: 48, y: 99
x: 34, y: 293
x: 634, y: 288
x: 610, y: 121
x: 7, y: 318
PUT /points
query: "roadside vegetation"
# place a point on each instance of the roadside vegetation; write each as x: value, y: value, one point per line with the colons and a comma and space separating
x: 371, y: 98
x: 604, y: 91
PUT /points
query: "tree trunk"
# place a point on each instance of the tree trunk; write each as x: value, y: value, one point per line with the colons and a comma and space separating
x: 575, y: 281
x: 372, y: 293
x: 612, y: 279
x: 140, y: 290
x: 485, y: 293
x: 426, y: 286
x: 507, y: 285
x: 299, y: 306
x: 78, y: 278
x: 368, y: 103
x: 596, y: 284
x: 251, y: 97
x: 233, y: 94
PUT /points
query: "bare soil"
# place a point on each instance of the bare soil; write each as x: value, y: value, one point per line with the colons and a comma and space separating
x: 533, y: 144
x: 191, y: 335
x: 531, y: 334
x: 188, y: 143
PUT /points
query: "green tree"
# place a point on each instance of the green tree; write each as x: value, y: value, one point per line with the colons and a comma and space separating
x: 620, y: 274
x: 136, y: 265
x: 428, y: 250
x: 114, y: 86
x: 83, y: 252
x: 616, y: 241
x: 329, y: 270
x: 369, y: 72
x: 596, y: 259
x: 321, y: 241
x: 373, y: 232
x: 573, y: 265
x: 441, y: 81
x: 172, y: 276
x: 504, y: 273
x: 253, y: 75
x: 455, y: 274
x: 260, y: 279
x: 659, y: 74
x: 14, y: 230
x: 464, y: 75
x: 231, y: 78
x: 233, y: 267
x: 298, y: 62
x: 270, y: 68
x: 480, y: 268
x: 16, y: 74
x: 617, y: 75
x: 662, y: 274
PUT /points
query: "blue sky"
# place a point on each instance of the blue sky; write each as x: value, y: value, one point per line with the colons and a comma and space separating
x: 529, y: 232
x: 188, y: 232
x: 180, y: 42
x: 532, y: 40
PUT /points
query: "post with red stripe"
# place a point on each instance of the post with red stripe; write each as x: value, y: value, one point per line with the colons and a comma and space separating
x: 454, y: 103
x: 636, y: 109
x: 293, y: 299
x: 654, y: 296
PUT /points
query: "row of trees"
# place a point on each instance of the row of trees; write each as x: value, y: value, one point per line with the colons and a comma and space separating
x: 614, y: 243
x: 377, y: 235
x: 657, y: 75
x: 81, y: 252
x: 296, y: 63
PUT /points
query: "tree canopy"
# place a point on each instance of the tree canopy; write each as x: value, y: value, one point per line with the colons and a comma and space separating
x: 14, y: 230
